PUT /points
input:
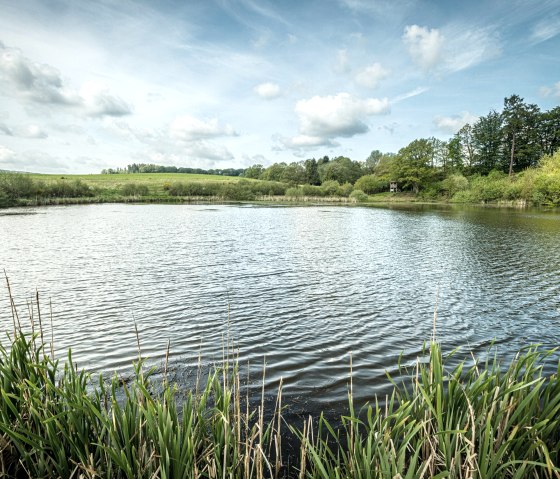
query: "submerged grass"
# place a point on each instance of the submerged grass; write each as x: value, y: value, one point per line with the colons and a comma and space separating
x: 482, y: 421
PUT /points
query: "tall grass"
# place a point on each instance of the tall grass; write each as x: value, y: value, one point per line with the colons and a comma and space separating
x: 480, y: 421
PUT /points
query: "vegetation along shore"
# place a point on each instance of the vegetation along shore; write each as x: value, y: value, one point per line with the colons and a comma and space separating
x: 476, y: 420
x: 509, y: 157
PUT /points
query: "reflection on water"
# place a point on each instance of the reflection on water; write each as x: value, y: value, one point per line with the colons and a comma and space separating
x: 305, y: 286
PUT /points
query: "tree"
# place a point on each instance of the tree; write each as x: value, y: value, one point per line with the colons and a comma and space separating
x: 254, y: 172
x: 341, y: 169
x: 372, y: 161
x: 294, y: 174
x: 521, y: 142
x: 312, y: 172
x: 412, y: 166
x: 549, y: 131
x: 274, y: 172
x: 487, y: 142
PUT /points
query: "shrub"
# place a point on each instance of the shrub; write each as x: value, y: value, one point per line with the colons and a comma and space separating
x: 453, y: 184
x: 294, y: 192
x: 330, y: 187
x: 371, y: 184
x: 359, y: 196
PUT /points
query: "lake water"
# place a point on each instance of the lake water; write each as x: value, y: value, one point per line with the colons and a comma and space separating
x: 305, y: 286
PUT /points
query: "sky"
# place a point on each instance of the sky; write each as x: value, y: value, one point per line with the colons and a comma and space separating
x: 87, y: 85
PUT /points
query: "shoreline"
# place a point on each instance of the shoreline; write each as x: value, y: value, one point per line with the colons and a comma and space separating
x: 385, y: 201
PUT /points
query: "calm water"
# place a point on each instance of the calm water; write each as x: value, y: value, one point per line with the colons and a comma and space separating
x: 305, y: 286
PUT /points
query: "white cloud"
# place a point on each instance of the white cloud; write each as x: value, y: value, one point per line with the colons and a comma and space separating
x: 554, y: 90
x: 467, y: 48
x: 43, y: 84
x: 372, y: 75
x: 452, y: 124
x: 268, y: 91
x: 409, y: 94
x: 546, y: 29
x: 458, y: 49
x: 189, y: 128
x: 424, y: 46
x: 306, y: 142
x: 337, y: 116
x: 6, y: 155
x: 31, y: 161
x: 202, y: 150
x: 6, y: 130
x: 99, y: 101
x: 28, y: 131
x: 39, y: 83
x: 322, y: 119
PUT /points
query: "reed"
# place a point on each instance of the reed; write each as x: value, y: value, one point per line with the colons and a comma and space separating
x: 482, y: 420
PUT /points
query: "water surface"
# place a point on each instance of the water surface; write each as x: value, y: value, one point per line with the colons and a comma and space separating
x: 300, y: 287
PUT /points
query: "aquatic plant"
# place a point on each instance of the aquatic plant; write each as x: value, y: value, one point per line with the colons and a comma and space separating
x: 479, y: 421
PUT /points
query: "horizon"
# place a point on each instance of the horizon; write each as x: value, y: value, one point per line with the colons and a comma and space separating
x: 232, y: 83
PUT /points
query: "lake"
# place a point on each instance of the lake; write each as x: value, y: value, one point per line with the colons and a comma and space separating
x: 303, y: 287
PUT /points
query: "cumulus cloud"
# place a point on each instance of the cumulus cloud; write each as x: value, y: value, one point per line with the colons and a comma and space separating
x: 268, y: 91
x: 452, y: 124
x: 425, y: 46
x: 43, y: 84
x: 304, y: 142
x: 189, y: 128
x: 98, y: 100
x: 324, y: 118
x: 372, y: 75
x: 554, y: 90
x: 337, y: 116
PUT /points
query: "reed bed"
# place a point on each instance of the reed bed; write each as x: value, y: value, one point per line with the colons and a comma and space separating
x: 481, y: 421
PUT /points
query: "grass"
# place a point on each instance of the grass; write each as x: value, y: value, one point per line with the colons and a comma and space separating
x: 154, y: 181
x: 482, y: 421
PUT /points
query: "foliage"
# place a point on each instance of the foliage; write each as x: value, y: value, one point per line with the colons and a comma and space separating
x: 135, y: 189
x: 483, y: 421
x: 359, y: 196
x: 371, y: 184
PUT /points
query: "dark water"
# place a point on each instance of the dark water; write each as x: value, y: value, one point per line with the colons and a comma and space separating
x: 305, y: 286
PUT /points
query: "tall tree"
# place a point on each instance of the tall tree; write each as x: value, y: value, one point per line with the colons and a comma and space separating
x: 312, y: 172
x: 487, y: 142
x: 520, y: 134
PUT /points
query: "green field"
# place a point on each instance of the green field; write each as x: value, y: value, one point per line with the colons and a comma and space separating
x: 154, y: 181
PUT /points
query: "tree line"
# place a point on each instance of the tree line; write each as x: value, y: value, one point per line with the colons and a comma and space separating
x: 152, y: 168
x: 508, y: 141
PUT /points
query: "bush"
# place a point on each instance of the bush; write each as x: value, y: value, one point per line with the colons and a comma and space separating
x: 358, y: 196
x: 330, y: 188
x: 67, y: 189
x: 371, y: 184
x: 453, y: 184
x: 16, y: 185
x: 294, y: 192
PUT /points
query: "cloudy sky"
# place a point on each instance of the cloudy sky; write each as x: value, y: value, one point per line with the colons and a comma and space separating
x: 86, y: 85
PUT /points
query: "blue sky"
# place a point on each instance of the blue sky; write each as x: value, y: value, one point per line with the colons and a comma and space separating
x: 230, y: 83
